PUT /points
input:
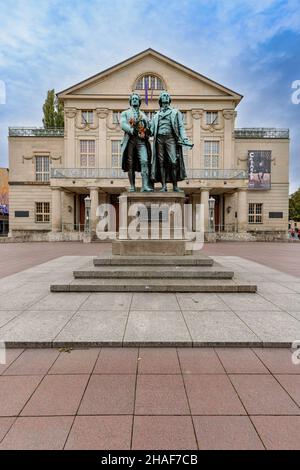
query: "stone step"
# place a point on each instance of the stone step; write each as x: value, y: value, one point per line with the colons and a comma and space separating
x: 153, y: 285
x: 154, y: 272
x: 187, y: 260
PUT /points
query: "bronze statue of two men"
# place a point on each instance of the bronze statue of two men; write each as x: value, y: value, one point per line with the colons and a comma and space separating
x: 165, y: 164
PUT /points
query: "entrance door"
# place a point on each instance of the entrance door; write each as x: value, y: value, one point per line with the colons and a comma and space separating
x: 81, y: 211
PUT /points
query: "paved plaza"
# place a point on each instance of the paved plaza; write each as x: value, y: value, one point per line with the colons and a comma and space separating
x: 150, y: 399
x: 55, y: 395
x: 31, y: 316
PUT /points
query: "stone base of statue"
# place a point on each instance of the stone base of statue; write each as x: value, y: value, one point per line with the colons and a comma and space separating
x: 151, y: 224
x: 160, y: 264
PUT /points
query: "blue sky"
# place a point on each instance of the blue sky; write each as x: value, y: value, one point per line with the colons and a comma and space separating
x: 251, y: 46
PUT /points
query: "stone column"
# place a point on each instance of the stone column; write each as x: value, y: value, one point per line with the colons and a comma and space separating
x: 242, y: 212
x: 101, y: 160
x: 69, y: 139
x: 56, y: 209
x: 196, y: 115
x: 229, y: 115
x: 94, y: 195
x: 204, y: 201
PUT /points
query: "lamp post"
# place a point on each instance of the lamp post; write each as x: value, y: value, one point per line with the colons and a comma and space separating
x: 211, y: 207
x: 87, y: 215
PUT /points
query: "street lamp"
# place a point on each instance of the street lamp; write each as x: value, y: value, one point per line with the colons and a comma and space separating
x: 211, y: 207
x: 87, y: 215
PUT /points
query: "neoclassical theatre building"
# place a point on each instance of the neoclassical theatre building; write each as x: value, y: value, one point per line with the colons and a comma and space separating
x: 53, y: 170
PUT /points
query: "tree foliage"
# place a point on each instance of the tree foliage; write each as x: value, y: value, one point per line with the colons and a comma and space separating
x: 53, y: 111
x: 294, y: 206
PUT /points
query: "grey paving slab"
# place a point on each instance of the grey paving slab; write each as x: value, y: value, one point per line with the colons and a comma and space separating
x: 154, y: 301
x: 8, y: 315
x: 271, y: 326
x: 107, y: 301
x: 60, y: 302
x: 35, y: 327
x: 254, y: 302
x: 20, y: 299
x: 271, y: 288
x: 289, y: 302
x: 201, y: 301
x: 218, y: 328
x: 294, y: 286
x: 95, y: 327
x: 153, y: 318
x: 153, y: 327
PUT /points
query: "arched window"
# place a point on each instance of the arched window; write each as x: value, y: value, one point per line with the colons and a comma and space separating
x: 153, y: 82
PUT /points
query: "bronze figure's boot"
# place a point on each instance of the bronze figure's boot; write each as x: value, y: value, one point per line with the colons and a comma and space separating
x: 174, y: 177
x: 145, y: 179
x: 164, y: 188
x: 131, y: 176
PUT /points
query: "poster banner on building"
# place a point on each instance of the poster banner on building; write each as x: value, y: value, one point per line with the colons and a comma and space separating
x: 259, y: 169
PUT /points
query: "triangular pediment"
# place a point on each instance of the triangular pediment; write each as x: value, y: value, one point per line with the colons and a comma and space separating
x: 178, y: 79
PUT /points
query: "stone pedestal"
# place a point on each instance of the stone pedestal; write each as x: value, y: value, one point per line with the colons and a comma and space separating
x: 151, y: 224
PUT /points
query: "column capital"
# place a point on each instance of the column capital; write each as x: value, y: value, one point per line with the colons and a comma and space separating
x: 102, y: 113
x: 70, y: 112
x: 229, y: 113
x: 197, y: 113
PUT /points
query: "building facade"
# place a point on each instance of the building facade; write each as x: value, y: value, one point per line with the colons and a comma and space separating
x: 246, y: 171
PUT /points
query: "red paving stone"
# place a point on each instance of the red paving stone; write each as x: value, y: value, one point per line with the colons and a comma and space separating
x: 89, y: 403
x: 117, y: 361
x: 278, y: 432
x: 5, y: 424
x: 100, y: 432
x: 80, y: 361
x: 33, y: 362
x: 278, y: 361
x: 11, y: 356
x: 241, y: 361
x: 200, y: 361
x: 15, y: 257
x: 158, y: 361
x: 57, y: 395
x: 262, y: 394
x: 160, y: 395
x: 109, y: 395
x: 15, y: 392
x: 163, y: 432
x: 226, y: 433
x: 212, y: 395
x: 291, y: 383
x: 38, y: 433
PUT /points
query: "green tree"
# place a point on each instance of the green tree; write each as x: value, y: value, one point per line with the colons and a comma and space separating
x: 53, y: 111
x: 294, y: 206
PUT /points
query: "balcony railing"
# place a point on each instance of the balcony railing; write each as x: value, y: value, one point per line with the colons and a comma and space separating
x: 243, y: 133
x: 261, y: 133
x: 95, y: 173
x: 35, y: 132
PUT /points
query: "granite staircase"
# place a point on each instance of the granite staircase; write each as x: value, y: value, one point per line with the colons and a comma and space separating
x: 187, y: 273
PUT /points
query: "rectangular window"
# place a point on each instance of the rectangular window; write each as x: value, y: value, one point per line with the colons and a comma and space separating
x: 42, y: 212
x: 87, y: 153
x: 211, y: 154
x: 255, y: 213
x: 42, y: 168
x: 87, y: 117
x: 116, y: 154
x: 211, y: 117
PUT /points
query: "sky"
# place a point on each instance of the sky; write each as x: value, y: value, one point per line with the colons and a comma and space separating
x: 250, y: 46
